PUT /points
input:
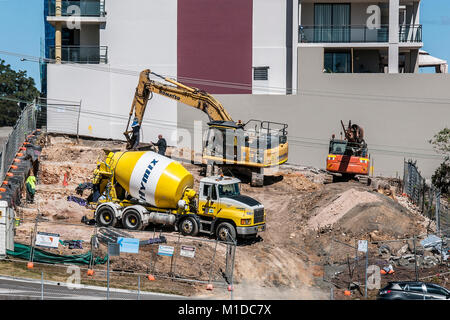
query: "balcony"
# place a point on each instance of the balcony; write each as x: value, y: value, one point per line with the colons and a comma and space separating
x: 82, y: 54
x: 357, y: 34
x: 73, y: 8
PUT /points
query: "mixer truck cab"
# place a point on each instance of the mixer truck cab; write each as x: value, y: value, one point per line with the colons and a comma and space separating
x: 143, y: 187
x: 224, y: 210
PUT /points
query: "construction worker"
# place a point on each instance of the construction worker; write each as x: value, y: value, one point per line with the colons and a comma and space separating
x: 135, y: 137
x: 161, y: 144
x: 31, y: 187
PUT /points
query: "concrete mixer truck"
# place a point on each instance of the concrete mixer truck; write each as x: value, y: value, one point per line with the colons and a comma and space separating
x: 138, y: 188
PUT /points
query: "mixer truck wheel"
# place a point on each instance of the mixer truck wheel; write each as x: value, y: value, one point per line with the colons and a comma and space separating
x: 224, y: 231
x: 105, y: 217
x: 188, y: 227
x: 132, y: 220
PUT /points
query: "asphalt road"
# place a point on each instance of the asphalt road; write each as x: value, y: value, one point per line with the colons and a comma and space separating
x: 30, y: 289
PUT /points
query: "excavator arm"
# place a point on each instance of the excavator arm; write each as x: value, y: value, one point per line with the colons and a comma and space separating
x: 176, y: 91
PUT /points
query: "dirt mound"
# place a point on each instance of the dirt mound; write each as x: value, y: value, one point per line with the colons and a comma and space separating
x: 383, y: 216
x: 299, y: 182
x: 340, y: 206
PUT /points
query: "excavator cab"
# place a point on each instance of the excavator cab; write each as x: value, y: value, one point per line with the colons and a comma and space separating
x: 257, y: 144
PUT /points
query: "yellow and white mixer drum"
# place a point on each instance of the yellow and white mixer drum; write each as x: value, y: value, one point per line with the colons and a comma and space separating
x: 151, y: 177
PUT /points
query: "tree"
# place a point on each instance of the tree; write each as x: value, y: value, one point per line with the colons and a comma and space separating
x: 15, y: 86
x: 441, y: 143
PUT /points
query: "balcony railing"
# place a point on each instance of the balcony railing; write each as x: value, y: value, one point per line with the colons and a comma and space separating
x: 83, y: 8
x: 82, y: 54
x: 361, y: 34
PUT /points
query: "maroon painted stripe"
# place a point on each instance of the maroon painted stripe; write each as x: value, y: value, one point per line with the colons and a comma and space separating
x: 215, y: 43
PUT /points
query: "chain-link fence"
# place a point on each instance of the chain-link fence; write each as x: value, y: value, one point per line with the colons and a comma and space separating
x: 427, y: 198
x: 350, y: 271
x: 164, y: 262
x: 25, y: 125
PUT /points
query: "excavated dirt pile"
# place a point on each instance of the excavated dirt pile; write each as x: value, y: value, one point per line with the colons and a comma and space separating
x: 302, y: 219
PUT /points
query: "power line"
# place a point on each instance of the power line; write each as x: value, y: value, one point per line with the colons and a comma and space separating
x: 244, y: 86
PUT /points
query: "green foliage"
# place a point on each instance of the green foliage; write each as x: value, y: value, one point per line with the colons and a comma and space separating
x: 441, y: 142
x: 441, y: 177
x: 14, y: 85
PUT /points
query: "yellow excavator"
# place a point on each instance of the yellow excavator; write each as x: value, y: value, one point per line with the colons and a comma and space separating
x: 252, y: 148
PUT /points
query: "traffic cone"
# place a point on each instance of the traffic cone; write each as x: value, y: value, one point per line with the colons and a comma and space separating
x: 65, y: 184
x: 90, y: 272
x: 30, y: 265
x: 151, y: 277
x: 347, y: 293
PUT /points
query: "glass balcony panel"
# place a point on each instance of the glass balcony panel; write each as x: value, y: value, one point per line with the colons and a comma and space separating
x: 358, y: 34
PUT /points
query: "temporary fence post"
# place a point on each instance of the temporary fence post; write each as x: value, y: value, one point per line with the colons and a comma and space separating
x: 331, y: 293
x: 139, y: 288
x: 367, y: 263
x: 107, y: 280
x: 42, y: 285
x: 415, y: 259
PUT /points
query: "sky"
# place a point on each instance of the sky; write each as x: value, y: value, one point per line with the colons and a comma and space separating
x: 22, y: 31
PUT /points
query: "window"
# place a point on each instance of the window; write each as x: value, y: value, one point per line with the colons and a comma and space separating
x: 206, y: 189
x: 260, y: 73
x: 332, y: 22
x: 229, y: 190
x: 414, y: 288
x: 433, y: 289
x: 337, y: 62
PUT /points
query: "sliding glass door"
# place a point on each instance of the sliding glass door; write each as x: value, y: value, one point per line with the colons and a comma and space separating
x: 331, y: 22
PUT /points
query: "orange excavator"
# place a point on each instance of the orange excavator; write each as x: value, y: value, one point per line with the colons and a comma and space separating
x: 348, y: 158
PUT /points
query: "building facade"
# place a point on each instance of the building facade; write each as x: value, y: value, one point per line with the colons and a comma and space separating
x: 247, y: 52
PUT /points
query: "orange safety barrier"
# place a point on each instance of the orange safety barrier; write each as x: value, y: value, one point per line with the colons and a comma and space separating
x: 14, y: 167
x: 9, y: 174
x: 17, y: 160
x: 5, y: 182
x: 2, y: 190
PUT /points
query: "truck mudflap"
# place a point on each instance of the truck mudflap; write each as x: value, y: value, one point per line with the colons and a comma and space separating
x: 253, y: 230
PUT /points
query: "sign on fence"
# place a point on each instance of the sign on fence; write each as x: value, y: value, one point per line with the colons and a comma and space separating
x: 165, y: 250
x: 47, y: 240
x: 187, y: 251
x: 130, y: 245
x: 362, y: 245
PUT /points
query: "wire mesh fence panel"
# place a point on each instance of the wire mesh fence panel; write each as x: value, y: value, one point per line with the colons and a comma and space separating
x: 61, y: 117
x: 23, y: 127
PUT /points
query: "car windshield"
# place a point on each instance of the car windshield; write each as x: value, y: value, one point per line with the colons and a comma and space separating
x: 229, y: 190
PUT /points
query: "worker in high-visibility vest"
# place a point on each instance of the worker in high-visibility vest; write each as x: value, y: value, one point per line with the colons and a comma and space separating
x: 31, y: 187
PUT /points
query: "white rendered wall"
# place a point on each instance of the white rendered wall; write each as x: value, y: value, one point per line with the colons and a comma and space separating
x: 139, y: 35
x: 269, y: 44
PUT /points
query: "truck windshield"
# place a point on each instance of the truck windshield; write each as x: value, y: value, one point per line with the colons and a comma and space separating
x: 229, y: 190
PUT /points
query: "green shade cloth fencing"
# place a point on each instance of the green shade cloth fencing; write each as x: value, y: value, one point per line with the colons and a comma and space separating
x: 23, y: 252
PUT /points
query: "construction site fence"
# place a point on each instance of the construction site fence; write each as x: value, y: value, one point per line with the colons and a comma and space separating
x: 427, y: 198
x: 351, y: 270
x: 207, y: 263
x: 25, y: 125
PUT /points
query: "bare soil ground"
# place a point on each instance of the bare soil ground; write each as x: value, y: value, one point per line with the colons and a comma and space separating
x: 303, y: 218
